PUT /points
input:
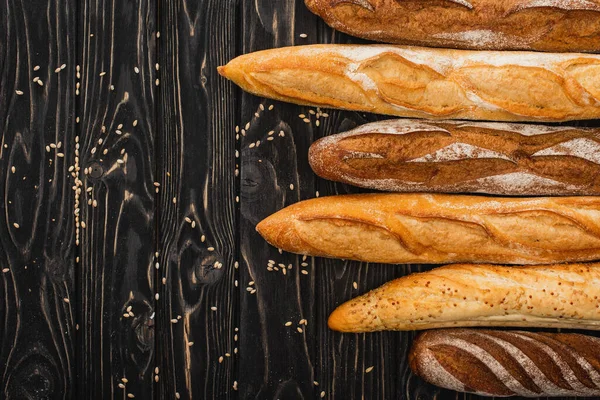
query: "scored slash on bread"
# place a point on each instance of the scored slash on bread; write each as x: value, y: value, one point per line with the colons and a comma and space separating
x: 508, y: 363
x: 426, y: 83
x: 466, y: 295
x: 437, y: 228
x: 542, y: 25
x: 462, y: 157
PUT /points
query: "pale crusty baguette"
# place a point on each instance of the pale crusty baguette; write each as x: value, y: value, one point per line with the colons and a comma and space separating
x: 426, y: 228
x: 508, y: 363
x: 462, y: 157
x: 554, y: 296
x: 543, y: 25
x: 426, y: 83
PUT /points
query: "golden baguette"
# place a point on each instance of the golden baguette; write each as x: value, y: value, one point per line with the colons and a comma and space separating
x: 552, y: 296
x: 426, y: 83
x: 547, y: 25
x: 435, y: 228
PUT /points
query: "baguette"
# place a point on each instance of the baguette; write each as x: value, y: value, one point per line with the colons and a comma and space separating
x: 426, y: 83
x: 435, y: 229
x: 458, y: 157
x: 546, y: 25
x: 500, y: 363
x: 553, y: 296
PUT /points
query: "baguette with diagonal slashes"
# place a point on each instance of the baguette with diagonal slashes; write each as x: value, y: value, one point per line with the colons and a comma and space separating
x: 542, y: 25
x: 436, y: 228
x: 463, y: 157
x: 508, y: 363
x: 551, y: 296
x: 426, y: 83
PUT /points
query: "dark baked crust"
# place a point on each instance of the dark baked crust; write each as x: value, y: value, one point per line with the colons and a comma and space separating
x: 462, y: 157
x: 522, y: 363
x: 544, y: 25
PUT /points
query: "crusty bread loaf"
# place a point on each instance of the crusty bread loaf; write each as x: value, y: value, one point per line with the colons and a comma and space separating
x: 543, y: 25
x: 426, y: 83
x: 461, y: 157
x: 426, y: 228
x: 505, y: 363
x: 553, y: 296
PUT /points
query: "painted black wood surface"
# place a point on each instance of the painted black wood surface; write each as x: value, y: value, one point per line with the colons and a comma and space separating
x: 132, y: 179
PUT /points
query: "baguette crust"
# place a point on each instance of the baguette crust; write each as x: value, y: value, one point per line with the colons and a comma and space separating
x: 542, y: 25
x: 426, y: 83
x: 435, y: 229
x: 501, y: 363
x: 462, y: 157
x: 555, y: 296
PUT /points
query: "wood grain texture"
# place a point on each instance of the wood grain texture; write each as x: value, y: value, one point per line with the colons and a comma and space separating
x: 277, y: 351
x: 198, y: 306
x: 37, y: 338
x: 180, y: 133
x: 117, y: 54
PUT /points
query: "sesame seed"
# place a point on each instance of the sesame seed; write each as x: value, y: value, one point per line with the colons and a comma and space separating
x: 174, y: 200
x: 303, y: 322
x: 213, y: 308
x: 369, y: 370
x: 299, y: 330
x: 156, y: 296
x: 16, y: 225
x: 252, y: 145
x: 36, y: 68
x: 121, y: 386
x: 63, y: 66
x: 5, y: 270
x: 13, y: 169
x: 306, y: 120
x: 291, y: 186
x: 156, y: 378
x: 318, y: 123
x: 157, y: 82
x: 247, y: 126
x: 289, y: 323
x: 137, y: 70
x: 315, y: 383
x: 355, y: 285
x: 174, y: 321
x: 317, y: 193
x: 220, y: 359
x: 124, y: 380
x: 303, y: 35
x: 203, y: 238
x: 235, y: 385
x: 66, y: 300
x: 130, y: 395
x: 190, y: 344
x: 211, y: 249
x: 39, y: 82
x: 19, y: 92
x: 322, y: 394
x: 304, y: 272
x: 156, y: 66
x: 157, y: 35
x: 102, y: 73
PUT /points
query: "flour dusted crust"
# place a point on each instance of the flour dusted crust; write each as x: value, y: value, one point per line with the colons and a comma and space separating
x: 426, y: 83
x: 542, y: 25
x: 508, y: 363
x: 460, y: 157
x: 435, y: 228
x: 553, y: 296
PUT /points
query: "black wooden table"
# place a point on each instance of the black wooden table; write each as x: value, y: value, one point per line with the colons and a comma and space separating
x: 132, y: 179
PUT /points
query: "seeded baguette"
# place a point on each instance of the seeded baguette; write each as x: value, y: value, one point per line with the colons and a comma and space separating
x: 546, y: 25
x: 462, y: 157
x: 436, y: 228
x: 551, y: 296
x: 426, y: 83
x: 508, y: 363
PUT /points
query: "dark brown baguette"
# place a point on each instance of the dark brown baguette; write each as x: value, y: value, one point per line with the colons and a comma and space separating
x: 543, y: 25
x: 467, y: 295
x: 462, y: 157
x: 436, y: 229
x: 505, y: 363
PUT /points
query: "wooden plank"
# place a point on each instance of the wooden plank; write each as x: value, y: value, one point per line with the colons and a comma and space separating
x: 197, y: 208
x: 36, y: 225
x: 116, y: 108
x: 276, y: 360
